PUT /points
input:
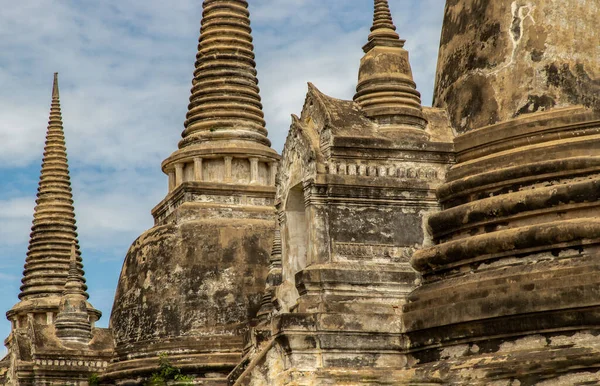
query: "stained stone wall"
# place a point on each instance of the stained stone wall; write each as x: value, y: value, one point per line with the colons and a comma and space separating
x: 500, y: 59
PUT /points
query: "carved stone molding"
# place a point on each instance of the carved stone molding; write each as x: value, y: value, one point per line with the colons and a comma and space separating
x: 373, y: 252
x: 392, y: 171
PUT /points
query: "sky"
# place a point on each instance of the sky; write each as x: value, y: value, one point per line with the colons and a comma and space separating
x: 125, y: 70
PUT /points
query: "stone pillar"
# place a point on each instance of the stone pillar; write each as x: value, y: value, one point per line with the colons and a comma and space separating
x: 198, y: 169
x: 178, y: 174
x: 253, y: 170
x: 228, y: 161
x: 171, y: 181
x: 273, y: 176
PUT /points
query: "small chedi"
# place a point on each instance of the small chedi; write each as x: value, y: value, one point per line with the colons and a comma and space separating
x: 389, y: 244
x: 53, y: 339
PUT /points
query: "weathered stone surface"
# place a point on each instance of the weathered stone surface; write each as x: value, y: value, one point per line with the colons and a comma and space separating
x: 355, y: 188
x: 214, y: 284
x: 514, y: 268
x: 501, y: 59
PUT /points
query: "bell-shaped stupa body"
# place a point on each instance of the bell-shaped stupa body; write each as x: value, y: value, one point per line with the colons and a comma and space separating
x: 510, y: 288
x: 503, y: 59
x: 190, y: 285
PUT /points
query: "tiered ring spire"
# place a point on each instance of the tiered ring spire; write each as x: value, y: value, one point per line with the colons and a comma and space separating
x: 386, y: 90
x: 383, y: 24
x: 72, y: 323
x: 225, y: 101
x: 54, y: 231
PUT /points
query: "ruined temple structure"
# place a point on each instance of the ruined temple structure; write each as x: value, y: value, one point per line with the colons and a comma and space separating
x: 53, y: 339
x: 390, y: 244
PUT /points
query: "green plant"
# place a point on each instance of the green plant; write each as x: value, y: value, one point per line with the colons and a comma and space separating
x: 94, y: 380
x: 167, y: 372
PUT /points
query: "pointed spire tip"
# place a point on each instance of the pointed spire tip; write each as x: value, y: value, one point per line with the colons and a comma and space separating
x: 55, y: 93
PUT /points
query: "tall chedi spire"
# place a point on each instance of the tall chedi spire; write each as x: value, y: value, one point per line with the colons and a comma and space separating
x: 54, y: 229
x: 53, y: 234
x: 386, y: 90
x: 225, y: 114
x: 225, y: 103
x: 191, y: 284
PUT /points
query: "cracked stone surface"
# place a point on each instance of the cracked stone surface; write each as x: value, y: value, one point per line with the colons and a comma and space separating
x: 502, y: 59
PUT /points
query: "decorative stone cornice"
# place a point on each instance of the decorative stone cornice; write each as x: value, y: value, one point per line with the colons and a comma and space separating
x: 225, y: 102
x: 72, y: 323
x: 53, y: 233
x: 386, y: 90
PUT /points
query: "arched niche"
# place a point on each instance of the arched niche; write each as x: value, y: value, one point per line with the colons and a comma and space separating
x: 294, y: 244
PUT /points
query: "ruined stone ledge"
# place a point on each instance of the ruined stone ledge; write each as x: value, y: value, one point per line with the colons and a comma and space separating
x: 556, y: 124
x: 351, y: 274
x: 393, y: 376
x: 483, y: 280
x: 243, y: 198
x: 513, y: 178
x: 527, y: 296
x: 214, y: 188
x: 504, y: 208
x: 510, y: 242
x: 234, y: 141
x: 565, y: 321
x: 362, y: 191
x: 371, y: 331
x: 190, y: 211
x: 557, y: 358
x: 386, y: 170
x: 578, y: 146
x: 357, y: 302
x: 346, y: 373
x: 188, y: 363
x: 373, y: 148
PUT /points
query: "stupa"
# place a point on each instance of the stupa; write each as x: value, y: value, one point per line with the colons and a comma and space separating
x: 54, y: 339
x: 190, y: 285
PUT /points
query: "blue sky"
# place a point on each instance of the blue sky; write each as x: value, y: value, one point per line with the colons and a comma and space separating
x: 125, y: 73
